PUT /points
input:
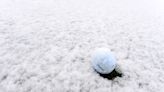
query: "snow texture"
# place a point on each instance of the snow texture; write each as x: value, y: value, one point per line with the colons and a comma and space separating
x: 46, y: 45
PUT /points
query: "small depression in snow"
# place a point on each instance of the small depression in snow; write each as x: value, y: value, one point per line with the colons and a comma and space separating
x: 112, y: 75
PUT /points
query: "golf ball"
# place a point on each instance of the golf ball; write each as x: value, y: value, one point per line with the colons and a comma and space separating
x: 103, y: 61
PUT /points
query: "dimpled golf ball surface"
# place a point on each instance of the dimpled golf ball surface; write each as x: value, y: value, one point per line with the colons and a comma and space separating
x: 103, y: 61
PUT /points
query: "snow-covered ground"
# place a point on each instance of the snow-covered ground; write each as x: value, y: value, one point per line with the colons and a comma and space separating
x: 45, y: 45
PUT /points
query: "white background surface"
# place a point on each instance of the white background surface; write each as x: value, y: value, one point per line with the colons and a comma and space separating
x: 45, y: 45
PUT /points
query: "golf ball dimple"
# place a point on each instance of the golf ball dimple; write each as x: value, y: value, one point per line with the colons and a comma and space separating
x: 103, y: 61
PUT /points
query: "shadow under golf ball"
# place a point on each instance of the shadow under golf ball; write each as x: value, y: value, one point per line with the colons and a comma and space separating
x: 111, y: 75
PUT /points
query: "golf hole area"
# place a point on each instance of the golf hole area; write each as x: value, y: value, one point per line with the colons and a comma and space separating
x: 112, y: 75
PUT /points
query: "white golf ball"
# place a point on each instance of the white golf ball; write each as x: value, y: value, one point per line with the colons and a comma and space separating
x: 103, y: 61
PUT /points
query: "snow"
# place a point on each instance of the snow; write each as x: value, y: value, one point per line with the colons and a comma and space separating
x: 46, y: 45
